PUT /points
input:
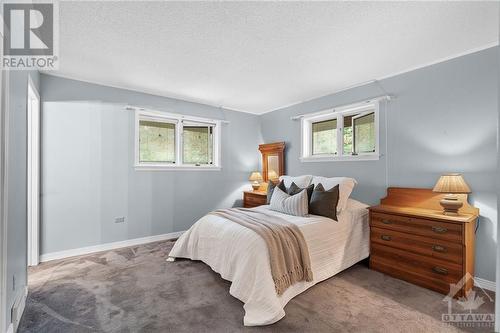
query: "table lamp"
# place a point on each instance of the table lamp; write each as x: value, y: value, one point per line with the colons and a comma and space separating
x: 272, y: 175
x: 255, y: 179
x: 451, y: 184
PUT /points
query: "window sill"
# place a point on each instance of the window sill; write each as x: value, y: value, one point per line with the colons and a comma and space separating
x: 366, y: 157
x: 161, y: 167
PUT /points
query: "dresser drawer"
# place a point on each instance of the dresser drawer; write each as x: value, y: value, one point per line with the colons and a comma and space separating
x: 247, y: 204
x: 422, y: 227
x: 253, y: 199
x: 257, y: 199
x: 393, y: 269
x: 435, y: 248
x: 417, y: 265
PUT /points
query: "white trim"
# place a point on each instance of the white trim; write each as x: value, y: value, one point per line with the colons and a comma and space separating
x: 33, y: 172
x: 199, y: 101
x: 408, y: 70
x: 361, y: 157
x: 440, y: 60
x: 4, y: 182
x: 173, y: 167
x: 346, y: 109
x: 485, y: 284
x: 202, y: 102
x: 19, y: 306
x: 145, y: 91
x: 108, y: 246
x: 10, y: 329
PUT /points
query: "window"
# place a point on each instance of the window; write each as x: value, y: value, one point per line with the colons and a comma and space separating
x: 167, y: 141
x: 364, y: 133
x: 324, y: 137
x: 347, y: 133
x: 157, y: 141
x: 197, y: 144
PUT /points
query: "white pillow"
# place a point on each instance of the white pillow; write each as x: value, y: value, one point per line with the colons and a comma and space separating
x: 346, y: 185
x: 300, y: 181
x: 289, y: 204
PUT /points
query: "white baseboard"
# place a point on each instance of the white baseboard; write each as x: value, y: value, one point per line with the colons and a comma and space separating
x: 485, y: 284
x: 108, y: 246
x: 18, y: 309
x: 10, y: 329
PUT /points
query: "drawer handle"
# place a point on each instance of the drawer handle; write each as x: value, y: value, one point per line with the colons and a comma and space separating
x: 386, y: 238
x: 439, y: 230
x: 438, y: 248
x: 386, y: 222
x: 440, y: 270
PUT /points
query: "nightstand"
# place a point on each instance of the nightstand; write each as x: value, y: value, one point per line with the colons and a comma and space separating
x: 412, y: 240
x: 254, y: 198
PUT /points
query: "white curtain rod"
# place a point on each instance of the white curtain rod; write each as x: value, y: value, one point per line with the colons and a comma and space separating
x: 179, y: 115
x: 334, y: 108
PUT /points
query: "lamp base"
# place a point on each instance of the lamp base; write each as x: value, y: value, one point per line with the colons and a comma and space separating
x: 451, y: 205
x: 255, y: 186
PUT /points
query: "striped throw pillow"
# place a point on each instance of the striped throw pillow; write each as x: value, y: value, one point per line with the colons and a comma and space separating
x: 289, y: 204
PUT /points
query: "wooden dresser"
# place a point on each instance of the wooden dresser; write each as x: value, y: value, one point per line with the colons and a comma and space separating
x: 254, y: 198
x: 412, y: 240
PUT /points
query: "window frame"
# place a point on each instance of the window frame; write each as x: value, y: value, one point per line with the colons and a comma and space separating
x: 158, y: 120
x: 311, y: 143
x: 361, y: 115
x: 178, y: 121
x: 190, y: 123
x: 356, y: 109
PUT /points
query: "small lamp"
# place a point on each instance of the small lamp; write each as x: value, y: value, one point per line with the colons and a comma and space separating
x: 272, y: 175
x: 255, y: 178
x: 451, y: 183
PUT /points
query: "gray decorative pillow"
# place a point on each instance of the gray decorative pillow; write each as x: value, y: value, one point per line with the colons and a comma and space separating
x: 324, y: 203
x: 294, y: 189
x: 270, y: 189
x: 289, y: 204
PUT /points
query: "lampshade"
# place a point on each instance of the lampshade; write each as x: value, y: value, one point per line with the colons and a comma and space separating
x: 451, y: 183
x: 272, y: 175
x: 255, y: 176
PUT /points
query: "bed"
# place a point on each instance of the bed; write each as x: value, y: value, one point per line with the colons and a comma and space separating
x: 240, y: 255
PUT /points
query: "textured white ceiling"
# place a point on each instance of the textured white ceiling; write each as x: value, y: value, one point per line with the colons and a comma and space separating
x: 260, y: 56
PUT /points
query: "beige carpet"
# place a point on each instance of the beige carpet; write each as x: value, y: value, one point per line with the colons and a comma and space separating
x: 136, y: 290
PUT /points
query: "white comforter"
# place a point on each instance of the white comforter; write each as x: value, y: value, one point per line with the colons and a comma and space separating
x: 240, y: 255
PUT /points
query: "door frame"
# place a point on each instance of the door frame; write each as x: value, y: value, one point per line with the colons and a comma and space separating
x: 33, y: 170
x: 4, y: 144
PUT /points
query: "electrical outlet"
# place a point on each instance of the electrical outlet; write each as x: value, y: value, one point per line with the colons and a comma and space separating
x: 120, y: 219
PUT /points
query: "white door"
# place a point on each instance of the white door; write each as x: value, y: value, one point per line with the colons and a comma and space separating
x: 33, y: 106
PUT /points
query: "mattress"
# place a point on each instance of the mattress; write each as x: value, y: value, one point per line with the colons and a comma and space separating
x: 240, y: 255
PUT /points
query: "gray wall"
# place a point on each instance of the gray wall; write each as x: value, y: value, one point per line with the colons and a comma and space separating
x: 88, y: 177
x: 444, y: 118
x: 17, y: 185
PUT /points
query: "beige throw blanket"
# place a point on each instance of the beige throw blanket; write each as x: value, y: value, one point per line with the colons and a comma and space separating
x: 288, y: 252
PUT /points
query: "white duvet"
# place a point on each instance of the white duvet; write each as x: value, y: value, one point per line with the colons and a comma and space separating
x: 240, y: 255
